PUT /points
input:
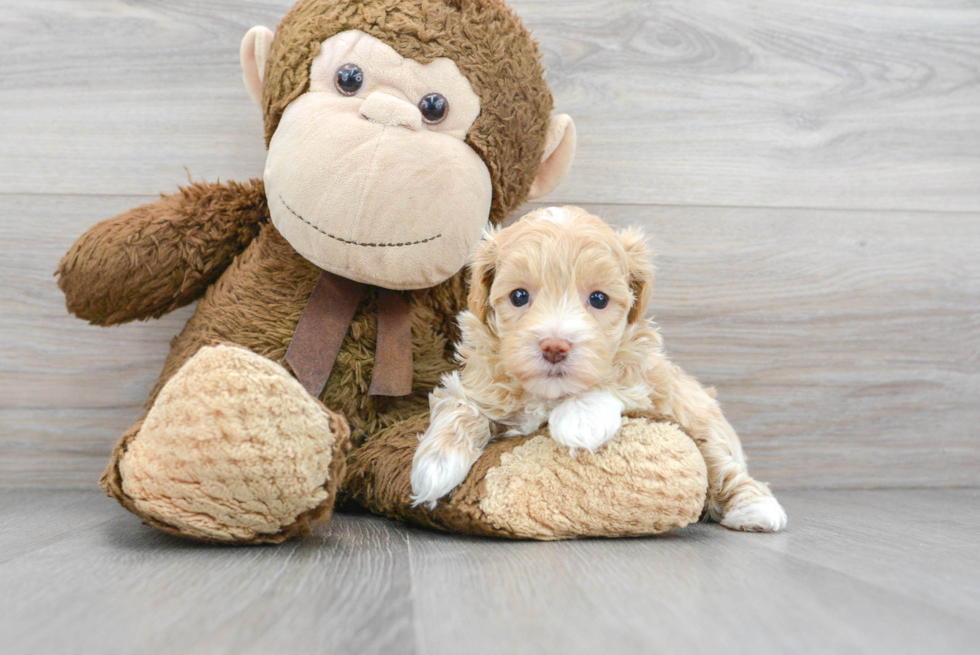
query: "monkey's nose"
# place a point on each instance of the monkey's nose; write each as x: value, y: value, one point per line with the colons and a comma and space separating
x: 388, y: 110
x: 555, y: 350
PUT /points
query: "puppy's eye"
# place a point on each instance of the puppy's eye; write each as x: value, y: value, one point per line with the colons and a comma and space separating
x: 434, y: 108
x: 599, y: 300
x: 519, y: 297
x: 349, y: 79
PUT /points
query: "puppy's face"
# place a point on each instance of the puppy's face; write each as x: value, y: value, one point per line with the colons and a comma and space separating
x: 559, y: 288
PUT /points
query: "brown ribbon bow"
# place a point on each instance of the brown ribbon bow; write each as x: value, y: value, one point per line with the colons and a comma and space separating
x: 323, y: 326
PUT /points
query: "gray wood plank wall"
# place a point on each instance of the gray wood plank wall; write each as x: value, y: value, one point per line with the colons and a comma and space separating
x: 808, y: 171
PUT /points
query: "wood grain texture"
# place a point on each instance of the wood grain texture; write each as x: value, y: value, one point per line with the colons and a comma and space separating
x: 704, y: 589
x: 66, y: 387
x: 920, y: 544
x: 837, y: 103
x: 845, y: 346
x: 857, y: 572
x: 108, y: 584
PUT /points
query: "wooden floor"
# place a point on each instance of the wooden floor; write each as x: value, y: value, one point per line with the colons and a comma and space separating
x: 857, y: 572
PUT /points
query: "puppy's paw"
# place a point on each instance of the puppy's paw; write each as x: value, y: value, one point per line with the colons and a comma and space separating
x: 760, y: 514
x: 587, y: 421
x: 435, y: 473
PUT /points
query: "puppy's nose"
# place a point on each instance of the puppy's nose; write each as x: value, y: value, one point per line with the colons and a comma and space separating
x: 555, y: 350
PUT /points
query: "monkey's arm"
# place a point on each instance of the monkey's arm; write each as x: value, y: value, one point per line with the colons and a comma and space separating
x: 162, y: 255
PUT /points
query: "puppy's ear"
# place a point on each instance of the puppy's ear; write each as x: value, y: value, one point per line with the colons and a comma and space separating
x: 639, y: 262
x: 483, y: 265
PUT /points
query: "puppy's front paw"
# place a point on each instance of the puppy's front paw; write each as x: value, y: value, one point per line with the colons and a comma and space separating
x: 586, y: 421
x: 760, y: 514
x: 435, y: 473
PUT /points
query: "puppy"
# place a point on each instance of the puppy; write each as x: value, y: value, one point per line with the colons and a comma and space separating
x: 555, y: 331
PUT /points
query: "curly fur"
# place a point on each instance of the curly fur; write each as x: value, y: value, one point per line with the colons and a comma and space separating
x: 614, y: 362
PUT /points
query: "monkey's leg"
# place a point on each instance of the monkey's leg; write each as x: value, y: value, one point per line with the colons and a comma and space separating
x: 233, y: 450
x: 650, y: 478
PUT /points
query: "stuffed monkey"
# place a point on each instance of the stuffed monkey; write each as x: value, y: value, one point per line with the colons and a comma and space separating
x: 327, y: 292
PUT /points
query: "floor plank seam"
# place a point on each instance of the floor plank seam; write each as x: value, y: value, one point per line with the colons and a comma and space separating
x: 884, y: 589
x: 417, y: 632
x: 44, y: 544
x: 794, y: 208
x: 963, y: 487
x: 561, y: 201
x: 66, y: 194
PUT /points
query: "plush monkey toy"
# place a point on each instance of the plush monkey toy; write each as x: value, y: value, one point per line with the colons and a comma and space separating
x: 327, y: 292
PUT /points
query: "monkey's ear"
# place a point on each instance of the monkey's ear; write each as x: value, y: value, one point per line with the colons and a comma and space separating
x: 559, y: 151
x: 641, y: 271
x: 483, y: 267
x: 254, y: 53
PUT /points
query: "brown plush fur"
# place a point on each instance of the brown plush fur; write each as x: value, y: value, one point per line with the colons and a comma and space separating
x: 303, y: 525
x: 155, y: 258
x: 524, y: 488
x: 233, y: 450
x: 485, y: 38
x: 256, y: 303
x: 245, y: 309
x: 216, y: 243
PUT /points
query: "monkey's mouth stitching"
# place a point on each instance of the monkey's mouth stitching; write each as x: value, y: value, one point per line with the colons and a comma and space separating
x: 355, y: 243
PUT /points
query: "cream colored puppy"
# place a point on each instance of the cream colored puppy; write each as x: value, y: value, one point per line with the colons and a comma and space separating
x: 555, y: 331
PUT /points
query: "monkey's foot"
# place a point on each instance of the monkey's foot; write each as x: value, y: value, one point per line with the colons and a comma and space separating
x: 648, y: 479
x: 234, y: 450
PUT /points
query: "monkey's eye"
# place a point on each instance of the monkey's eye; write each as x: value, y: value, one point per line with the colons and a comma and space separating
x: 349, y: 79
x: 519, y: 297
x: 599, y: 300
x: 434, y: 108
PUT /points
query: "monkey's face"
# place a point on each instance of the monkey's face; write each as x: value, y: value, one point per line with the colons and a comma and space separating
x: 368, y: 175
